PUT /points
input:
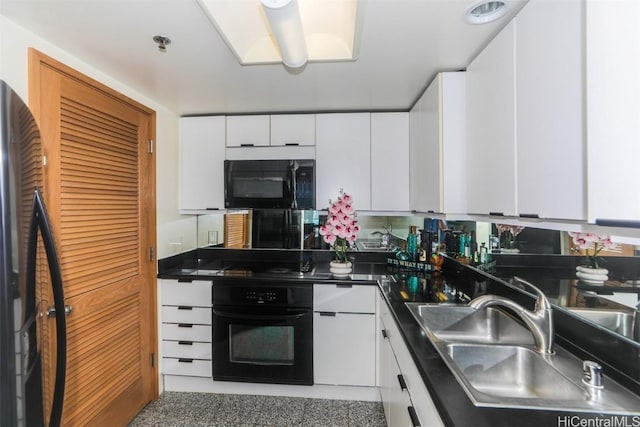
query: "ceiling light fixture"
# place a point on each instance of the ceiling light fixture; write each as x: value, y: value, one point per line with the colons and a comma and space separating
x: 484, y: 12
x: 254, y: 30
x: 286, y: 27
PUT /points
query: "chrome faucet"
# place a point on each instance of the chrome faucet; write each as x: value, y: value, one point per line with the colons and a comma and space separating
x: 384, y: 237
x: 539, y: 321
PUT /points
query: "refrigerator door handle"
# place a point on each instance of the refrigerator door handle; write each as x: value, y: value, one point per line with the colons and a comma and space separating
x: 40, y: 221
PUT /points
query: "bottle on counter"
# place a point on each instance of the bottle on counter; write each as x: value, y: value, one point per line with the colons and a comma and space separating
x: 462, y: 244
x: 402, y: 254
x: 412, y: 243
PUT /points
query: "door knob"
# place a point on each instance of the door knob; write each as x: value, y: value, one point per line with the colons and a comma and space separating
x: 51, y: 311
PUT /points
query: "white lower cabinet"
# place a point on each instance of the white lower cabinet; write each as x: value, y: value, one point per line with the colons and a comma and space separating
x: 405, y: 398
x: 344, y: 327
x: 186, y: 328
x: 395, y: 398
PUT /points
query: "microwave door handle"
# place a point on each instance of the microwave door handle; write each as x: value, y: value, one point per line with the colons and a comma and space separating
x: 292, y: 185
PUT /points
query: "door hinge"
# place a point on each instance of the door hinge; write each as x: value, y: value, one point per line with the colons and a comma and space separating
x: 151, y: 146
x: 153, y: 360
x: 152, y: 254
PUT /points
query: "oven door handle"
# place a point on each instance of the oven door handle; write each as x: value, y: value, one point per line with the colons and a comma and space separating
x: 289, y: 315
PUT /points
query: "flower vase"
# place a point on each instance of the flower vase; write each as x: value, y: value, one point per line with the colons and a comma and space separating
x: 592, y: 276
x: 340, y: 269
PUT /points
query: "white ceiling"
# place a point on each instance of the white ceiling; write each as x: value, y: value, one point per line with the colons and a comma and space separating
x: 404, y: 44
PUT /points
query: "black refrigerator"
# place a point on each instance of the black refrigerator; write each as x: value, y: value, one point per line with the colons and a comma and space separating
x: 27, y: 242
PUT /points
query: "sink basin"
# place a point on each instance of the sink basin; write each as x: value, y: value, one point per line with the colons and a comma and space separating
x: 615, y: 320
x: 493, y: 358
x: 510, y: 372
x: 373, y: 245
x: 465, y: 324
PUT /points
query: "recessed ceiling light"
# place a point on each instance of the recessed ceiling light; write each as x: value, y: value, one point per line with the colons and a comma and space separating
x: 485, y: 11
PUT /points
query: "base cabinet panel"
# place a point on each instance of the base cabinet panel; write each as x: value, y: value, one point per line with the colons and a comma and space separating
x: 400, y: 363
x: 344, y: 348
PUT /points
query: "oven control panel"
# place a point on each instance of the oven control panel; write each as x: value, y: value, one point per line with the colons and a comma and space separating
x: 230, y: 292
x: 265, y: 296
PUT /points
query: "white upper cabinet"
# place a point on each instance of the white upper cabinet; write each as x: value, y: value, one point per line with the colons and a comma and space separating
x: 293, y: 129
x: 417, y: 152
x: 343, y: 158
x: 202, y: 151
x: 613, y: 111
x: 491, y: 133
x: 550, y: 86
x: 248, y: 131
x: 441, y: 160
x: 390, y: 161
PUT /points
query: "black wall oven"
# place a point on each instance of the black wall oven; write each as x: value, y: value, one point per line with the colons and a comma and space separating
x: 262, y: 331
x: 269, y: 184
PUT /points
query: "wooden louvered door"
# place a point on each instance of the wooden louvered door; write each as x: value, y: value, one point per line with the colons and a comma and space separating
x: 99, y: 182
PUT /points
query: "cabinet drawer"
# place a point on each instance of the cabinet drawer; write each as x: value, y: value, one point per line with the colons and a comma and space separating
x: 186, y: 332
x: 186, y: 366
x: 196, y: 293
x: 187, y: 349
x: 354, y: 299
x: 186, y: 314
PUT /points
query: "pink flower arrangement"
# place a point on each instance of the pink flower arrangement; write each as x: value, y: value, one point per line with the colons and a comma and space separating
x: 587, y: 241
x: 341, y: 228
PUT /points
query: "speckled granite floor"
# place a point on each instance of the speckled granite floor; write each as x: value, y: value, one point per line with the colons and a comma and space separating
x: 233, y: 410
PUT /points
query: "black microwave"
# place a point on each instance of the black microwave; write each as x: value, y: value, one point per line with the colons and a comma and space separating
x: 261, y: 184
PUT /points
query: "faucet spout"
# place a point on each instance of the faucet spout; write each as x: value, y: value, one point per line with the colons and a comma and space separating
x: 539, y: 321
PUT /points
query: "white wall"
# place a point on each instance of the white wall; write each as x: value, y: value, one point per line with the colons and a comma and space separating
x: 171, y: 227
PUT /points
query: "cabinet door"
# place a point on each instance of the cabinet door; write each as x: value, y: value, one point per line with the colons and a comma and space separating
x: 343, y: 158
x: 395, y: 399
x: 202, y: 162
x: 491, y: 154
x: 293, y: 129
x: 549, y: 110
x: 390, y: 161
x: 417, y: 152
x: 344, y: 350
x: 430, y: 114
x: 613, y: 110
x: 248, y: 131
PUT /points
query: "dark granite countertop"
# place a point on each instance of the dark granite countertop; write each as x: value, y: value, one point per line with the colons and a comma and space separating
x: 453, y: 285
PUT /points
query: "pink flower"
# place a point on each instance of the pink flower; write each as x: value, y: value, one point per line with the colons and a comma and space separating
x: 325, y: 229
x: 334, y: 209
x: 347, y: 199
x: 333, y: 220
x: 337, y: 230
x: 329, y: 239
x: 352, y: 238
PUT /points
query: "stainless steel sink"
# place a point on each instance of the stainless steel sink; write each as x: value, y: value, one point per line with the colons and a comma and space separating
x: 464, y: 323
x: 501, y: 372
x: 618, y: 321
x: 494, y: 359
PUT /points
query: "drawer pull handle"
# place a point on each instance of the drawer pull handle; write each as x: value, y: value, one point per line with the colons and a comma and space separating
x: 185, y: 280
x: 402, y: 382
x: 184, y: 307
x: 414, y: 417
x: 384, y: 333
x: 292, y: 144
x: 185, y: 360
x: 185, y: 342
x: 344, y: 285
x: 328, y: 313
x: 185, y: 325
x: 246, y: 145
